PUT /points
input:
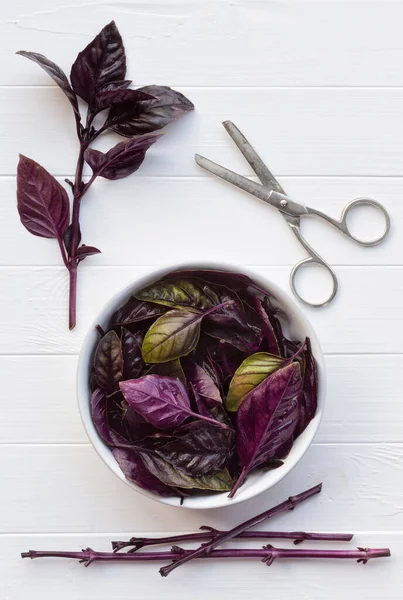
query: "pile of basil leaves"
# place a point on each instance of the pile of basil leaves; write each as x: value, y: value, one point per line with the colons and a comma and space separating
x: 195, y: 385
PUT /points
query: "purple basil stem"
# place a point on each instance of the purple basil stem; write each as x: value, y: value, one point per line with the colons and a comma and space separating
x: 98, y: 77
x: 276, y: 400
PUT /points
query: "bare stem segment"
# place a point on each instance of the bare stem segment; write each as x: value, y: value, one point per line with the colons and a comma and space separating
x: 289, y: 504
x: 209, y: 533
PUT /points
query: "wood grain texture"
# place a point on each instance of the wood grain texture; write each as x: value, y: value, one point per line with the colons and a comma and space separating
x: 310, y: 131
x: 314, y: 580
x: 350, y: 324
x: 208, y: 217
x: 363, y: 400
x: 217, y: 42
x: 56, y: 488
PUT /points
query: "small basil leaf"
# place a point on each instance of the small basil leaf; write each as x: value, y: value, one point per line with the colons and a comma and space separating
x: 43, y: 204
x: 84, y: 251
x: 218, y: 482
x: 103, y: 61
x: 56, y: 73
x: 67, y: 237
x: 169, y: 369
x: 108, y: 362
x: 134, y: 470
x: 249, y: 375
x: 145, y: 117
x: 122, y: 160
x: 199, y: 452
x: 276, y: 401
x: 132, y: 361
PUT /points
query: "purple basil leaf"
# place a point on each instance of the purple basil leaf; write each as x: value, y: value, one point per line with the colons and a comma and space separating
x: 99, y: 413
x: 135, y: 311
x: 134, y: 470
x: 201, y: 382
x: 116, y: 85
x: 309, y: 403
x: 220, y: 481
x: 268, y: 332
x: 267, y: 418
x: 179, y: 293
x: 145, y: 117
x: 172, y: 368
x: 235, y: 281
x: 84, y: 251
x: 108, y: 362
x: 199, y: 452
x: 42, y: 202
x: 132, y: 361
x: 163, y: 401
x: 67, y: 237
x: 106, y: 99
x: 230, y: 326
x: 122, y: 160
x: 103, y: 61
x: 56, y: 73
x: 275, y: 323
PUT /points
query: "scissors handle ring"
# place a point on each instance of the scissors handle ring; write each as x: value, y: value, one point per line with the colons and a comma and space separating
x: 315, y: 261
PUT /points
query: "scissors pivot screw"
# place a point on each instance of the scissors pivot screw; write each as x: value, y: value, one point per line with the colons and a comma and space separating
x: 283, y: 202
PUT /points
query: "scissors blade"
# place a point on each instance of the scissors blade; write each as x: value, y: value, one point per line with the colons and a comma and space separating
x: 280, y: 201
x: 256, y: 189
x: 261, y: 170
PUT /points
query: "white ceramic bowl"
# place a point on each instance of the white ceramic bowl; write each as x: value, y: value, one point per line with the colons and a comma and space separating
x: 257, y: 482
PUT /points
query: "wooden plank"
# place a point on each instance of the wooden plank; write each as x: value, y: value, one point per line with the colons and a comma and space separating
x: 208, y: 218
x: 233, y: 579
x: 324, y: 131
x: 54, y: 488
x: 363, y: 400
x: 218, y: 42
x: 33, y: 305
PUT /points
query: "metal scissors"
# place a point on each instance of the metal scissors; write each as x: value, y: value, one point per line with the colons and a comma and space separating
x: 272, y: 192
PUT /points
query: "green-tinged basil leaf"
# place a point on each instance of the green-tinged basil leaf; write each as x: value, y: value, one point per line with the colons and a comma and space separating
x: 108, y: 362
x: 169, y: 369
x: 174, y: 334
x: 251, y: 372
x: 180, y: 293
x: 218, y: 482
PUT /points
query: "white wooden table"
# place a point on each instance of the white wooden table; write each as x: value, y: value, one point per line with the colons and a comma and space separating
x: 318, y: 88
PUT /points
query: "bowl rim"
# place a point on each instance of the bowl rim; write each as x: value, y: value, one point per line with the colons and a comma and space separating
x: 261, y: 481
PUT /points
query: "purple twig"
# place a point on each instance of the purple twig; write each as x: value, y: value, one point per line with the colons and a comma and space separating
x: 268, y: 554
x: 210, y: 533
x: 204, y: 549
